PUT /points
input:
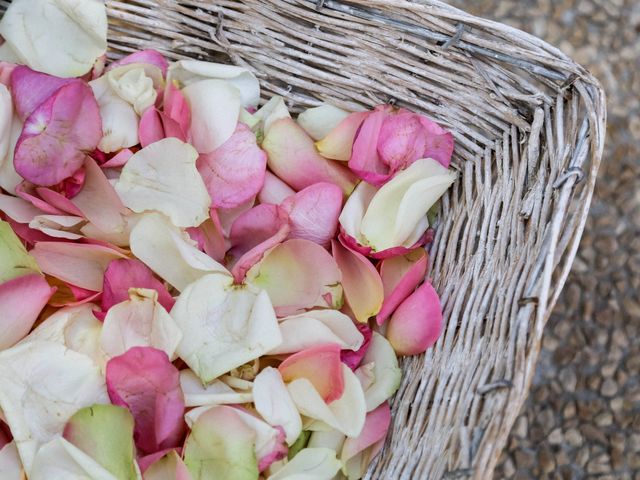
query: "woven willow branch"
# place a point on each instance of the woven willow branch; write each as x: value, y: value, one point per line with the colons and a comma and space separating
x: 529, y: 126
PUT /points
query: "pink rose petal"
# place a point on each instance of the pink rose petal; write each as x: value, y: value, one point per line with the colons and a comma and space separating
x: 58, y: 133
x: 6, y: 69
x: 126, y: 273
x: 156, y: 125
x: 234, y: 172
x: 58, y: 201
x: 402, y: 140
x: 144, y: 381
x: 17, y: 316
x: 274, y: 190
x: 30, y: 89
x: 400, y: 276
x: 321, y: 366
x: 27, y: 191
x: 144, y: 462
x: 313, y: 212
x: 338, y: 144
x: 365, y: 161
x: 176, y: 107
x: 150, y: 56
x: 368, y: 443
x: 439, y: 142
x: 417, y: 322
x: 353, y: 359
x: 118, y: 160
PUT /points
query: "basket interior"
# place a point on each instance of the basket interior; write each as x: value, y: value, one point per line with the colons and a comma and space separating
x: 529, y: 126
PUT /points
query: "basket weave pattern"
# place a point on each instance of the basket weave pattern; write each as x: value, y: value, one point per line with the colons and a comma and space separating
x: 529, y: 125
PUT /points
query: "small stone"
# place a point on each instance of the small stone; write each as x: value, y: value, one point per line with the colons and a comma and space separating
x: 633, y: 461
x: 616, y: 404
x: 593, y: 434
x: 562, y: 458
x: 600, y: 464
x: 604, y: 419
x: 617, y: 457
x: 525, y: 458
x: 609, y: 388
x: 521, y: 427
x: 568, y: 379
x: 546, y: 420
x: 545, y: 459
x: 573, y: 438
x: 569, y: 410
x: 555, y: 437
x: 634, y: 442
x: 583, y: 456
x: 508, y: 468
x: 608, y: 369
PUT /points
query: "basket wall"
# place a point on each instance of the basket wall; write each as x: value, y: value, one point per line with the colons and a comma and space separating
x: 529, y: 125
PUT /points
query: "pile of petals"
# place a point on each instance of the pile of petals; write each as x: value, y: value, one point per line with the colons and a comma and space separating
x: 195, y: 284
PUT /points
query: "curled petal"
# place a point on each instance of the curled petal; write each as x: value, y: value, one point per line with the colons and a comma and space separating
x: 346, y: 414
x: 234, y: 172
x: 270, y: 112
x: 365, y: 161
x: 62, y: 38
x: 10, y: 130
x: 188, y: 72
x: 18, y: 316
x: 44, y: 384
x: 313, y: 212
x: 358, y: 452
x: 338, y: 143
x: 144, y: 381
x: 298, y: 274
x: 136, y: 84
x: 400, y: 276
x: 168, y: 467
x: 320, y: 365
x: 57, y: 134
x: 169, y: 252
x: 216, y: 393
x: 119, y: 119
x: 119, y: 159
x: 353, y: 358
x: 139, y: 321
x: 309, y: 463
x: 319, y: 121
x: 274, y: 404
x: 156, y: 125
x: 104, y: 433
x: 175, y: 106
x: 242, y: 325
x: 28, y: 192
x: 401, y: 141
x: 361, y: 282
x: 274, y: 190
x: 80, y: 264
x: 417, y: 322
x: 163, y: 177
x: 150, y: 56
x: 30, y: 89
x: 379, y: 373
x: 292, y: 156
x: 58, y: 201
x: 215, y: 108
x: 316, y: 328
x: 210, y: 237
x: 59, y: 226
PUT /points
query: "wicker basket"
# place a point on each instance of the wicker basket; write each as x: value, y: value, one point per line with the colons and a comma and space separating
x: 529, y: 126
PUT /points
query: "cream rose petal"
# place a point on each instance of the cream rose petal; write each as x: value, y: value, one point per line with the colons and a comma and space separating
x: 58, y: 37
x: 354, y: 209
x: 43, y: 385
x: 135, y: 84
x: 309, y: 464
x: 10, y: 465
x: 319, y: 121
x: 403, y: 202
x: 379, y: 374
x: 163, y: 177
x: 139, y: 322
x: 216, y: 393
x: 223, y: 325
x: 170, y: 252
x: 275, y: 405
x: 346, y: 414
x: 10, y: 129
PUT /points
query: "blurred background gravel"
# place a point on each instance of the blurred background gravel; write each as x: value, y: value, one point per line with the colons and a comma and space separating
x: 582, y: 418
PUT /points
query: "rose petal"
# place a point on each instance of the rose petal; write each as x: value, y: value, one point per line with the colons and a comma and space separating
x: 17, y: 209
x: 119, y: 119
x: 43, y: 385
x: 14, y: 259
x: 10, y: 465
x: 79, y: 264
x: 58, y: 201
x: 210, y: 237
x: 365, y: 161
x: 215, y: 393
x: 17, y: 315
x: 169, y: 467
x: 313, y: 212
x: 234, y: 172
x: 144, y: 381
x: 175, y: 106
x: 121, y: 275
x: 163, y: 177
x: 104, y: 433
x: 274, y: 190
x: 136, y: 83
x: 59, y: 226
x: 139, y: 321
x: 156, y: 125
x: 401, y: 141
x: 363, y: 289
x: 292, y: 156
x: 381, y: 364
x: 338, y: 143
x: 358, y: 452
x: 353, y: 358
x: 62, y: 38
x: 215, y: 108
x: 346, y: 414
x: 187, y: 72
x: 150, y: 56
x: 27, y: 191
x: 57, y: 134
x: 61, y: 460
x: 417, y: 322
x: 10, y: 129
x: 439, y: 142
x: 298, y: 274
x: 272, y: 111
x: 241, y: 324
x: 30, y: 89
x: 221, y: 445
x: 170, y: 252
x: 320, y: 365
x: 396, y: 215
x: 316, y: 328
x: 319, y: 121
x: 400, y: 276
x: 310, y: 463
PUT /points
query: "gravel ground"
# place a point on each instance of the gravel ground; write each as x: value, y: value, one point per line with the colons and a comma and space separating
x: 582, y: 418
